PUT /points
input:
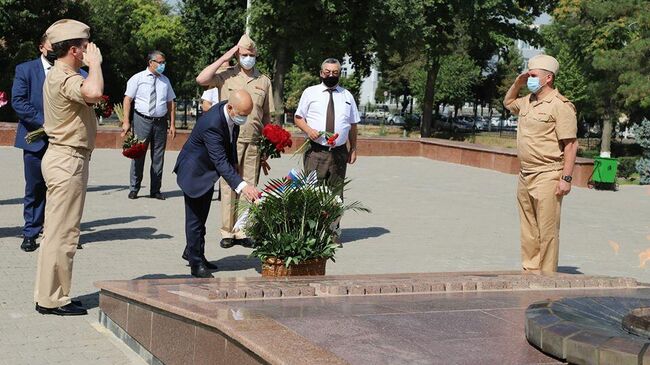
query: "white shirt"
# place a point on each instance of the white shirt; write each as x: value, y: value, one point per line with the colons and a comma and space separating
x: 139, y: 88
x: 313, y: 108
x: 46, y: 65
x: 211, y: 95
x: 231, y: 126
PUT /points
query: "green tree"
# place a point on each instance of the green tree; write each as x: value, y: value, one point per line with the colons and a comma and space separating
x: 305, y: 32
x: 509, y: 65
x: 437, y: 27
x: 456, y: 78
x: 126, y: 30
x: 297, y: 80
x: 212, y: 28
x: 607, y: 39
x: 23, y: 22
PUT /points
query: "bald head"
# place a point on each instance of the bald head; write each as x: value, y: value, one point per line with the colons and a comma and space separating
x: 240, y: 103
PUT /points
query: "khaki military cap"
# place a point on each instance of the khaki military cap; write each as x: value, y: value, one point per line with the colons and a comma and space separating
x: 544, y: 62
x: 246, y: 42
x: 66, y: 29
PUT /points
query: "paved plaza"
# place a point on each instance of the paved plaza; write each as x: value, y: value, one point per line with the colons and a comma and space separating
x: 427, y: 216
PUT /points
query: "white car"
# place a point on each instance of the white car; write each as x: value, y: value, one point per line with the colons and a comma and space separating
x: 395, y: 119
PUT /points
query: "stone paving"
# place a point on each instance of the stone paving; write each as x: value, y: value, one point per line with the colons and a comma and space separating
x: 427, y: 217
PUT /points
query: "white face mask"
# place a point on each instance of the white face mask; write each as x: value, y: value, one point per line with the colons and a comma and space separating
x: 247, y: 62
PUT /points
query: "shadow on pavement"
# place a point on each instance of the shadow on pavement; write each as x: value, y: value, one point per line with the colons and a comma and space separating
x: 163, y: 276
x: 89, y: 301
x: 95, y: 188
x: 11, y: 201
x: 173, y: 194
x: 569, y: 270
x: 88, y: 226
x: 238, y: 263
x: 122, y: 234
x: 356, y: 234
x: 11, y: 232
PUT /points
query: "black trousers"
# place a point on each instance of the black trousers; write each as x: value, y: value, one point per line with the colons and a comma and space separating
x: 196, y: 214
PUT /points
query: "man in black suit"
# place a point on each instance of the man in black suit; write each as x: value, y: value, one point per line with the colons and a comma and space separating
x: 209, y: 153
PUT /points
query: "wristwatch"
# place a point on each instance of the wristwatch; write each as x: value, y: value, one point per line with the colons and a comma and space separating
x: 567, y: 178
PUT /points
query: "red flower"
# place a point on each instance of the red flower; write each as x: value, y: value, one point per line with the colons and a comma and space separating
x: 4, y: 100
x: 332, y: 140
x: 275, y: 140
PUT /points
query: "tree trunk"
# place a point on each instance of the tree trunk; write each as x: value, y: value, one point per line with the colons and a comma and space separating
x: 429, y: 94
x: 280, y: 68
x: 606, y: 138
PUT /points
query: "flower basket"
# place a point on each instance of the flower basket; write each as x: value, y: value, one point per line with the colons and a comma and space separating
x: 274, y: 267
x: 295, y: 222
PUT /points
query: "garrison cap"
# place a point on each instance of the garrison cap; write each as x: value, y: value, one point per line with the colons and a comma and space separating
x: 544, y: 62
x: 66, y: 29
x: 246, y: 42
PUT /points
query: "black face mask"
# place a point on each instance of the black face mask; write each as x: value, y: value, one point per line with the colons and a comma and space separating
x: 50, y: 57
x: 330, y: 81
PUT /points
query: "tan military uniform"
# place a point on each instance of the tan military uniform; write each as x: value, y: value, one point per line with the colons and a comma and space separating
x: 71, y: 126
x: 542, y: 126
x: 248, y: 152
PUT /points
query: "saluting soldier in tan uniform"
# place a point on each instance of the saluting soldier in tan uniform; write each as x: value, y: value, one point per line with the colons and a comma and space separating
x: 547, y: 148
x: 71, y: 126
x: 242, y: 76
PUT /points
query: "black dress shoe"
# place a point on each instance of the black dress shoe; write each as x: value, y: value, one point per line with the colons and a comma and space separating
x: 29, y: 244
x: 133, y: 195
x: 201, y: 271
x: 227, y: 242
x: 245, y: 242
x: 79, y: 246
x: 158, y: 196
x: 67, y: 310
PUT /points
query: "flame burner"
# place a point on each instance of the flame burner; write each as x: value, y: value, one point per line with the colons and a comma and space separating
x: 592, y: 330
x: 637, y: 322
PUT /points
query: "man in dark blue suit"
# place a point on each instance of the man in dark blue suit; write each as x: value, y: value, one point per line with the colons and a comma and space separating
x: 27, y: 101
x: 209, y: 153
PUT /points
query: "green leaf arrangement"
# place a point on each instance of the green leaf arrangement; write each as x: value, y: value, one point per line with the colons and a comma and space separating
x: 295, y: 220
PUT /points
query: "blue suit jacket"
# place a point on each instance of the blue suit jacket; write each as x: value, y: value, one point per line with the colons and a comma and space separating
x: 208, y: 154
x: 27, y: 101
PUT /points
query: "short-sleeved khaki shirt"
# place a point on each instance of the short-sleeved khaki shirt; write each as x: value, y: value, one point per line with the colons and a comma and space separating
x: 259, y: 86
x: 542, y: 126
x: 69, y: 121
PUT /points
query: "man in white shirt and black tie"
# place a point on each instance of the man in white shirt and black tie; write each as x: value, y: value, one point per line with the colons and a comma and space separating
x: 154, y: 100
x: 326, y: 110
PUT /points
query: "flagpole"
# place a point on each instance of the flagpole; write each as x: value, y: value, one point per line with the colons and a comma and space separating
x: 248, y: 16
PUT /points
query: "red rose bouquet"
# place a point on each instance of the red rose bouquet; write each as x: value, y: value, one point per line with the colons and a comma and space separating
x: 134, y: 148
x: 275, y: 140
x: 103, y: 108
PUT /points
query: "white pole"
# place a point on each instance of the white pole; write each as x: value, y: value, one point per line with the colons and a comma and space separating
x: 248, y: 16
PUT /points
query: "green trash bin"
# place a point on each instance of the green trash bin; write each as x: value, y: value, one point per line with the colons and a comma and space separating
x: 605, y: 170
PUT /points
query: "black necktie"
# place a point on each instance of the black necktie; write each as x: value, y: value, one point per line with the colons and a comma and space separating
x: 329, y: 119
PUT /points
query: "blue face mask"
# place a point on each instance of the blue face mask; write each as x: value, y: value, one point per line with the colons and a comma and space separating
x: 533, y: 84
x: 240, y: 119
x: 161, y: 68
